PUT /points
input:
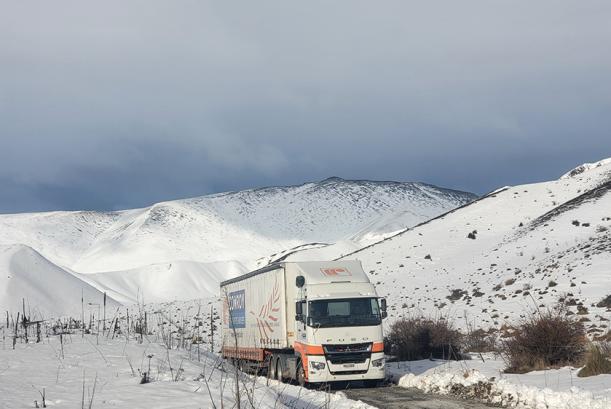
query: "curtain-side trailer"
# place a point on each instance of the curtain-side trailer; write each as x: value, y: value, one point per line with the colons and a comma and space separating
x: 313, y: 322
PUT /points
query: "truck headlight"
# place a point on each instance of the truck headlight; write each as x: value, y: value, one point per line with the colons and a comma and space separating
x: 317, y: 365
x: 378, y: 363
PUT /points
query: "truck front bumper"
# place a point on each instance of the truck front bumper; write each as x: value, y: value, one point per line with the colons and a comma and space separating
x: 319, y: 369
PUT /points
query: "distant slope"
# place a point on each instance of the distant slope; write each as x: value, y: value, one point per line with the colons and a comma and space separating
x: 164, y: 282
x: 48, y: 290
x: 245, y: 225
x: 182, y: 248
x: 61, y: 236
x: 532, y: 245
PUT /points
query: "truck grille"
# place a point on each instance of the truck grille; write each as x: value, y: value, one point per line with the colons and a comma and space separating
x: 349, y: 372
x: 348, y: 353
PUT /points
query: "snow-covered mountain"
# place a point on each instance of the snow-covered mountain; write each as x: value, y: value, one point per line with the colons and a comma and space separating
x: 183, y: 248
x: 494, y: 260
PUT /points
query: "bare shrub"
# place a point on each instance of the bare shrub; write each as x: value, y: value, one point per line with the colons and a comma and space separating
x: 421, y: 338
x: 547, y: 339
x: 480, y: 340
x: 598, y: 361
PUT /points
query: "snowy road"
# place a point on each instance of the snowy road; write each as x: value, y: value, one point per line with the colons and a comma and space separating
x: 395, y: 397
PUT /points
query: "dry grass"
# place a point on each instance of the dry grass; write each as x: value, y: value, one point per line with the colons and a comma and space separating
x: 598, y: 360
x: 480, y: 340
x: 547, y: 339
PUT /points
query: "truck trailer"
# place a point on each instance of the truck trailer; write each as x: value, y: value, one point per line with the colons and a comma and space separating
x: 309, y: 322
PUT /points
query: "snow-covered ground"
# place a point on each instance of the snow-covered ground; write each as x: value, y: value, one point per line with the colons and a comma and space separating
x: 554, y: 388
x: 107, y: 372
x: 484, y: 264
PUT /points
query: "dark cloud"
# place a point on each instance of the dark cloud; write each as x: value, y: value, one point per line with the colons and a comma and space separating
x: 121, y: 104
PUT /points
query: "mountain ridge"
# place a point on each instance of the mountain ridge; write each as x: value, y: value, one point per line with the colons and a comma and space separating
x: 123, y: 252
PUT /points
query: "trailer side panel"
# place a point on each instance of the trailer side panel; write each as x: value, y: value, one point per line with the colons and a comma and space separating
x: 254, y: 315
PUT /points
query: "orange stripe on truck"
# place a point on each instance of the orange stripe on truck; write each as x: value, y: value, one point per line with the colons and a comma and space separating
x: 304, y: 350
x: 308, y: 349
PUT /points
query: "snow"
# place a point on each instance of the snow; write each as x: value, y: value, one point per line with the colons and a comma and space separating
x: 182, y: 249
x: 586, y: 167
x: 527, y: 252
x: 554, y: 389
x: 31, y: 367
x: 163, y: 282
x: 527, y: 237
x: 48, y: 290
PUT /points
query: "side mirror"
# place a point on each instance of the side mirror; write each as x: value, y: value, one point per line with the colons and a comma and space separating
x: 300, y: 281
x: 383, y: 307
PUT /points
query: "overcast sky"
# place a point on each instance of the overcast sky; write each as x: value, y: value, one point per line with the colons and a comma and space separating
x: 117, y: 104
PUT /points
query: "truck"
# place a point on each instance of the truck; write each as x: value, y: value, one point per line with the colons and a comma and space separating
x: 308, y: 322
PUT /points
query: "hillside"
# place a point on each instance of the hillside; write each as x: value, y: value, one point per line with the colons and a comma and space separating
x: 184, y: 248
x: 181, y: 279
x: 495, y: 260
x: 47, y: 289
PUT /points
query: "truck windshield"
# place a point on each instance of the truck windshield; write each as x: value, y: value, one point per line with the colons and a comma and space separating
x: 346, y: 312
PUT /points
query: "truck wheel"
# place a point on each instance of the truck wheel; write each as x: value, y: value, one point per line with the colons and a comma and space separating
x: 271, y: 368
x: 279, y: 374
x: 301, y: 380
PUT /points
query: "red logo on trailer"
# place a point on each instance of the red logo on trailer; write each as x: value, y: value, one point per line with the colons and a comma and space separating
x: 269, y: 313
x: 336, y: 272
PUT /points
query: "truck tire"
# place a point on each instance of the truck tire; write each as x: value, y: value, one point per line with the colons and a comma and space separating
x: 279, y: 374
x: 300, y: 375
x: 271, y: 368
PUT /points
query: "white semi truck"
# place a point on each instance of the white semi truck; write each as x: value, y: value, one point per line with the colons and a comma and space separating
x: 311, y: 322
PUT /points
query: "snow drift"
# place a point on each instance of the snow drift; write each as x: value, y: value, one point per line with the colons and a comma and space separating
x: 47, y: 289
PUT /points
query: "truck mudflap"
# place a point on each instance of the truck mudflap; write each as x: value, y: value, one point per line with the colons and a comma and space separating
x: 326, y: 363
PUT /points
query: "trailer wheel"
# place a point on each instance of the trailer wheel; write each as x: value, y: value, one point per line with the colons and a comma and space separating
x: 271, y: 368
x: 279, y: 374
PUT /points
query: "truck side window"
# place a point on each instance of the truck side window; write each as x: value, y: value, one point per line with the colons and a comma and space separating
x: 300, y: 310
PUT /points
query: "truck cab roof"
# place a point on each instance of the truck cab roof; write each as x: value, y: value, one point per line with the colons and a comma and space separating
x: 316, y: 272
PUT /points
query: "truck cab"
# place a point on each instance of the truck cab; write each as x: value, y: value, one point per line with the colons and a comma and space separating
x: 338, y: 324
x: 311, y: 322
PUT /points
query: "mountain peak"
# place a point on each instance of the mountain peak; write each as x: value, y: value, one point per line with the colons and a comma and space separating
x: 332, y: 179
x: 586, y: 167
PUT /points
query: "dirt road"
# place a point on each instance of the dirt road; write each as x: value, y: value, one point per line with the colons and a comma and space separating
x: 394, y: 397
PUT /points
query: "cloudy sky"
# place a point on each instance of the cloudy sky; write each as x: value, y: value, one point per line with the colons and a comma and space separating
x: 116, y: 104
